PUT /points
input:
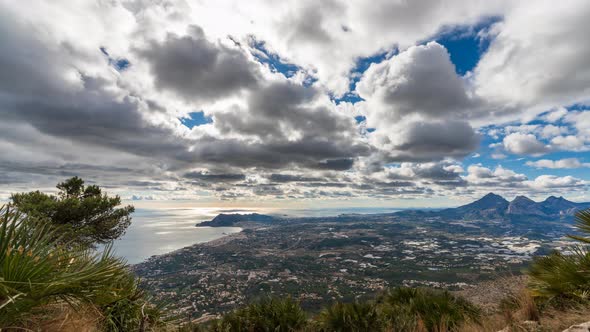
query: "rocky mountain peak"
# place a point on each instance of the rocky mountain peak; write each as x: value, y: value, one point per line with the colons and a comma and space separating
x: 522, y: 199
x: 523, y: 205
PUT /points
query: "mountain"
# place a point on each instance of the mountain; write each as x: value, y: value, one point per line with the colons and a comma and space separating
x: 493, y: 206
x: 489, y: 207
x: 523, y: 205
x: 562, y: 205
x: 225, y: 220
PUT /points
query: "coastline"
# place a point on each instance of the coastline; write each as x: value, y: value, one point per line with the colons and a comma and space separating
x: 220, y: 241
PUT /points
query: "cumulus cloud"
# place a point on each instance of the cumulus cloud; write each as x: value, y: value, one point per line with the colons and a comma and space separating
x: 502, y: 179
x: 544, y: 182
x: 420, y: 80
x: 561, y: 163
x: 524, y: 144
x: 551, y: 131
x: 479, y: 175
x: 555, y: 115
x: 569, y: 142
x: 509, y: 75
x: 408, y: 96
x: 432, y: 140
x: 196, y: 69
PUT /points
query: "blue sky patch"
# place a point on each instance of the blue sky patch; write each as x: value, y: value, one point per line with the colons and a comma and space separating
x: 272, y: 60
x: 349, y: 97
x: 356, y: 73
x: 360, y: 118
x: 466, y: 44
x: 362, y: 64
x: 195, y: 119
x: 120, y: 64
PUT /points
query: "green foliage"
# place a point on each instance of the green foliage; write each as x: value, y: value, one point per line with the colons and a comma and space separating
x: 564, y: 278
x: 350, y: 317
x: 88, y: 215
x: 271, y: 314
x: 399, y: 309
x: 126, y: 307
x: 433, y: 309
x: 582, y: 223
x: 35, y: 271
x: 561, y: 277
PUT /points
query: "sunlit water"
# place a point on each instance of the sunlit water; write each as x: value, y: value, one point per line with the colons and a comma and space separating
x: 158, y: 231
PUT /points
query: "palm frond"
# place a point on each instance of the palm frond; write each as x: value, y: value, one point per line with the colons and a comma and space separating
x: 564, y: 277
x: 35, y: 271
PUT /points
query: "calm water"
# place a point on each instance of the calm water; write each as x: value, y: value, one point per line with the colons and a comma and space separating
x: 158, y: 231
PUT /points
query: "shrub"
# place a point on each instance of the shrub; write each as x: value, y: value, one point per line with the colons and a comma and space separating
x: 434, y: 310
x: 345, y: 317
x: 564, y: 278
x: 266, y: 315
x: 126, y: 307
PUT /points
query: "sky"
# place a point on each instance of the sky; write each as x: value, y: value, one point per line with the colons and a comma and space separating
x: 297, y: 103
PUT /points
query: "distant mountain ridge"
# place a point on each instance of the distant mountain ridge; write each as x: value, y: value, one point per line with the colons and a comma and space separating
x: 496, y: 206
x: 489, y: 207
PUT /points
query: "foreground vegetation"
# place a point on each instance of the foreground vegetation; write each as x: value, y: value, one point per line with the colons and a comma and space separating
x: 40, y: 270
x: 48, y: 261
x: 399, y: 309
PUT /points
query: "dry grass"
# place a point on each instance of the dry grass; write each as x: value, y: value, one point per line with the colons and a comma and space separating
x: 64, y: 318
x: 490, y: 323
x: 525, y: 316
x: 489, y: 294
x: 508, y: 303
x: 558, y: 320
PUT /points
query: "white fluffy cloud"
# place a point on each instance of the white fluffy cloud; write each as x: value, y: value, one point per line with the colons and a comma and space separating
x: 415, y: 101
x: 479, y: 175
x: 555, y: 115
x: 570, y: 142
x: 544, y: 182
x: 538, y: 59
x: 561, y: 163
x: 524, y: 144
x: 419, y: 81
x: 506, y: 180
x: 308, y: 32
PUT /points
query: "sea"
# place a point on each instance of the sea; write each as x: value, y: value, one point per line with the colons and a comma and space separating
x: 161, y: 230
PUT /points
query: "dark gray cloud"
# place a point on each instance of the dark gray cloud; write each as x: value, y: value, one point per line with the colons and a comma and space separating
x: 293, y: 130
x: 281, y: 110
x: 325, y: 184
x: 336, y: 164
x: 42, y: 87
x: 195, y: 69
x: 202, y: 176
x: 424, y: 141
x: 292, y: 178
